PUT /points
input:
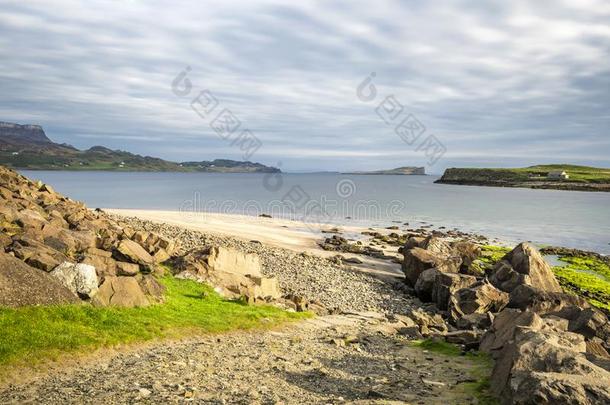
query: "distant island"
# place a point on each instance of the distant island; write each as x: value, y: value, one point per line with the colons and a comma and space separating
x: 403, y: 171
x: 28, y: 147
x: 555, y: 176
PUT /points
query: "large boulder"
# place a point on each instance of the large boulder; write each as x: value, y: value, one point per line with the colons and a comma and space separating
x: 79, y: 278
x: 22, y: 285
x: 231, y: 272
x: 121, y: 292
x: 524, y: 265
x: 546, y: 367
x: 135, y: 253
x: 417, y: 260
x: 480, y: 298
x: 425, y: 284
x: 527, y: 297
x: 447, y: 284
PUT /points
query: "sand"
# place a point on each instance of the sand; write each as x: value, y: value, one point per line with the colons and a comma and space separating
x: 283, y: 233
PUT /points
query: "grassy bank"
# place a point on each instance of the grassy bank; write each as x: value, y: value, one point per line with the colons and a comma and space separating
x: 33, y: 334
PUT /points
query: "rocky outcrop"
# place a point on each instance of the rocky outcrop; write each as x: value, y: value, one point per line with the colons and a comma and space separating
x: 549, y: 347
x: 524, y: 265
x: 79, y: 248
x: 539, y: 361
x: 233, y: 273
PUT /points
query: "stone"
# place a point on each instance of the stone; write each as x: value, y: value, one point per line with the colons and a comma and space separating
x: 126, y: 269
x: 121, y: 292
x: 135, y: 253
x: 425, y: 284
x: 468, y: 338
x: 503, y: 328
x: 547, y: 367
x: 154, y: 290
x: 527, y: 297
x: 161, y: 256
x: 417, y: 260
x: 468, y: 251
x: 446, y: 285
x: 22, y: 285
x: 480, y: 298
x: 591, y: 322
x: 475, y: 321
x: 104, y: 265
x: 79, y: 278
x: 524, y: 265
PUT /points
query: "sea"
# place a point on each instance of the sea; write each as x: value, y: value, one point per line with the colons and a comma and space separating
x: 508, y: 215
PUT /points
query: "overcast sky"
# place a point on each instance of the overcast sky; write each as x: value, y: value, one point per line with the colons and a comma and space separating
x: 498, y: 83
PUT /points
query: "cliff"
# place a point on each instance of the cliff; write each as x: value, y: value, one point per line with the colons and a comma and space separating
x: 28, y: 147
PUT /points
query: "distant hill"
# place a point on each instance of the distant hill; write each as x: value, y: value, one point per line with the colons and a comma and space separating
x: 554, y: 176
x: 28, y: 147
x: 405, y: 171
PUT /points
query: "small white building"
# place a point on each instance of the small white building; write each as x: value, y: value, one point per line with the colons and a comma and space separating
x: 558, y: 175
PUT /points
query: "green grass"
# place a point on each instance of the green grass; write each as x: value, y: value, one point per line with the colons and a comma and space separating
x: 578, y: 174
x: 586, y: 276
x: 480, y: 366
x: 31, y: 335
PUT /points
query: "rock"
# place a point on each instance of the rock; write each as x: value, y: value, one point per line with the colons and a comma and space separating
x: 447, y: 284
x: 527, y: 297
x: 468, y: 251
x: 427, y: 322
x: 417, y: 260
x: 233, y: 261
x: 475, y: 321
x: 151, y: 287
x: 120, y: 292
x: 425, y: 284
x: 135, y: 253
x: 161, y: 256
x: 591, y: 322
x: 546, y: 367
x: 127, y: 269
x: 104, y: 265
x: 352, y: 260
x: 524, y: 265
x: 469, y: 338
x: 22, y: 285
x: 480, y: 298
x: 79, y: 278
x: 503, y: 328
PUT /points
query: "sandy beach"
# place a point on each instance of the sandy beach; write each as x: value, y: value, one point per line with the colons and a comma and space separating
x: 277, y: 232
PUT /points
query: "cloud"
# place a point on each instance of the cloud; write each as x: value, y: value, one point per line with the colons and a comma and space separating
x: 509, y: 82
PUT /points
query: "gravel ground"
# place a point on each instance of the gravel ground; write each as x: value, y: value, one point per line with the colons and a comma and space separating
x: 316, y: 278
x: 328, y: 360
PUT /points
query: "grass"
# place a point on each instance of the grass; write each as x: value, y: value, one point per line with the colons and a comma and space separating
x: 588, y: 277
x: 31, y: 335
x: 480, y: 368
x: 578, y: 174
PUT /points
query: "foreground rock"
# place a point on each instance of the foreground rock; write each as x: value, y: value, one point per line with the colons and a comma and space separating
x: 84, y: 251
x: 549, y: 347
x: 524, y: 265
x: 21, y: 284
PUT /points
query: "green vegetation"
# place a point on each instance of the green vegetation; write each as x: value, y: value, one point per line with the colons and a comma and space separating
x: 588, y: 277
x: 30, y: 335
x: 491, y: 254
x: 580, y: 177
x: 479, y: 364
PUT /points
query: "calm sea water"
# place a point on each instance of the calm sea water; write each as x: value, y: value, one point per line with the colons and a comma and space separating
x: 571, y: 219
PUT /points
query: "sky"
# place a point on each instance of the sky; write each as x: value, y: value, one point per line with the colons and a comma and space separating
x: 494, y: 83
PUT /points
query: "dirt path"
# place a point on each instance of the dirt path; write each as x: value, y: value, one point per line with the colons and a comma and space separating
x: 333, y: 359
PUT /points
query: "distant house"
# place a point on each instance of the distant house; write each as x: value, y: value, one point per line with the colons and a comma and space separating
x: 558, y: 175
